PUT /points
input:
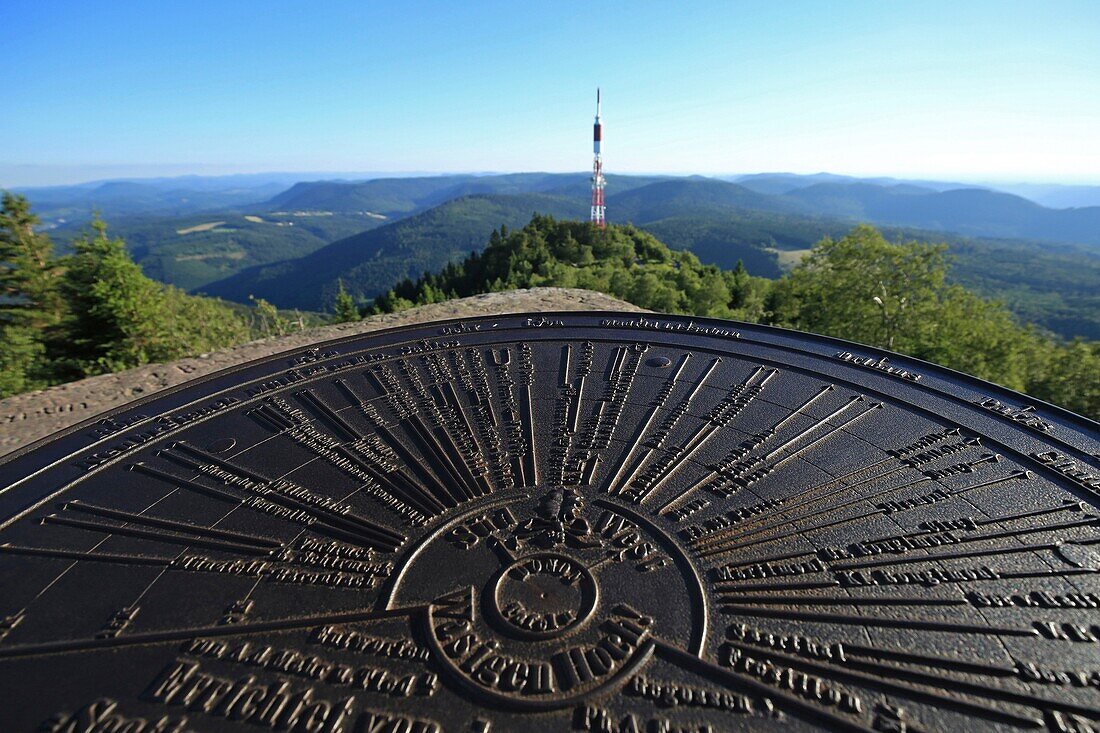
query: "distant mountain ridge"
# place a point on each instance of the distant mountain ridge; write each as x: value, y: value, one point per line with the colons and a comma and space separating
x: 971, y: 211
x: 641, y: 199
x: 1051, y: 195
x: 394, y: 197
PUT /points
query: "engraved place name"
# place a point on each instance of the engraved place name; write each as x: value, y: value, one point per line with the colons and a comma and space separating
x: 336, y: 549
x: 461, y: 327
x: 654, y: 324
x: 802, y: 646
x: 245, y: 700
x: 882, y: 364
x: 1026, y: 416
x: 307, y: 370
x: 1034, y: 599
x: 760, y: 570
x: 161, y: 426
x: 280, y: 574
x: 343, y: 564
x: 1071, y: 469
x: 926, y: 578
x: 1068, y: 723
x: 425, y: 346
x: 1030, y: 672
x: 109, y: 426
x: 103, y: 716
x: 666, y: 694
x: 541, y: 322
x: 357, y: 641
x: 685, y: 511
x: 600, y: 720
x: 311, y: 356
x: 310, y: 666
x: 806, y: 686
x: 1077, y: 633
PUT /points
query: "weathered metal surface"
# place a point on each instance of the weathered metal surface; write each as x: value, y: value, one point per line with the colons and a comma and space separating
x: 604, y: 522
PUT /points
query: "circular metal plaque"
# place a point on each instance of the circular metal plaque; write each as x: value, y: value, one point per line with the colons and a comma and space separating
x: 592, y: 522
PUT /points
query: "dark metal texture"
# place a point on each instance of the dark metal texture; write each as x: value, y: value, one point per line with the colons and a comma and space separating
x: 597, y: 522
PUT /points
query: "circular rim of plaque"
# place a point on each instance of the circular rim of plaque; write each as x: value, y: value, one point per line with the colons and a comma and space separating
x: 584, y: 520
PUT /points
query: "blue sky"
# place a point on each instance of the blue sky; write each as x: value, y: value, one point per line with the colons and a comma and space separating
x: 961, y: 90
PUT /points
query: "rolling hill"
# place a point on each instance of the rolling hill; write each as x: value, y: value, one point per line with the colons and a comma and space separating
x: 687, y: 196
x: 372, y: 262
x: 396, y: 197
x: 193, y: 251
x: 970, y: 211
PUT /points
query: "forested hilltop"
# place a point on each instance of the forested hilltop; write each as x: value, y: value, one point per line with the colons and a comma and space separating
x: 859, y: 287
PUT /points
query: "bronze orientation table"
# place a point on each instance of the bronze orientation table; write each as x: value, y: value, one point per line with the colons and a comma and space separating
x: 558, y: 521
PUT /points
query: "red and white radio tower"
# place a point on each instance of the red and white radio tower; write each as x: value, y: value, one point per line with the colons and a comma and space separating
x: 599, y: 211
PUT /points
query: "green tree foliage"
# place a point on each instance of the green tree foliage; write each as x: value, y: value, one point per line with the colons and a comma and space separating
x: 118, y: 315
x: 865, y: 289
x: 21, y: 358
x: 897, y: 296
x: 93, y: 311
x: 30, y: 305
x: 344, y: 308
x: 121, y: 319
x: 1069, y: 375
x: 859, y: 287
x: 267, y: 320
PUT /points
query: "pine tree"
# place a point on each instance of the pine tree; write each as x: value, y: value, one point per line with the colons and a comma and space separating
x: 21, y: 360
x: 344, y: 308
x: 119, y: 317
x: 30, y: 304
x: 28, y: 270
x: 268, y: 320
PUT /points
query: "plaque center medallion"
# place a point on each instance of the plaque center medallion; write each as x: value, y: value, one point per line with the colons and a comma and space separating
x: 542, y: 596
x: 550, y: 597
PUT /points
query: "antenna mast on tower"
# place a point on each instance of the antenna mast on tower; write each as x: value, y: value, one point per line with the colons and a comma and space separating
x: 598, y: 209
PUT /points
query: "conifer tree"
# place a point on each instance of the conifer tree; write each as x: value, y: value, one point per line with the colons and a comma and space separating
x: 28, y: 270
x: 344, y: 308
x: 30, y: 304
x: 118, y: 317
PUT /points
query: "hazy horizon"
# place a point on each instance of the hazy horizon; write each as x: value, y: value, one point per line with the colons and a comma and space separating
x: 48, y: 176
